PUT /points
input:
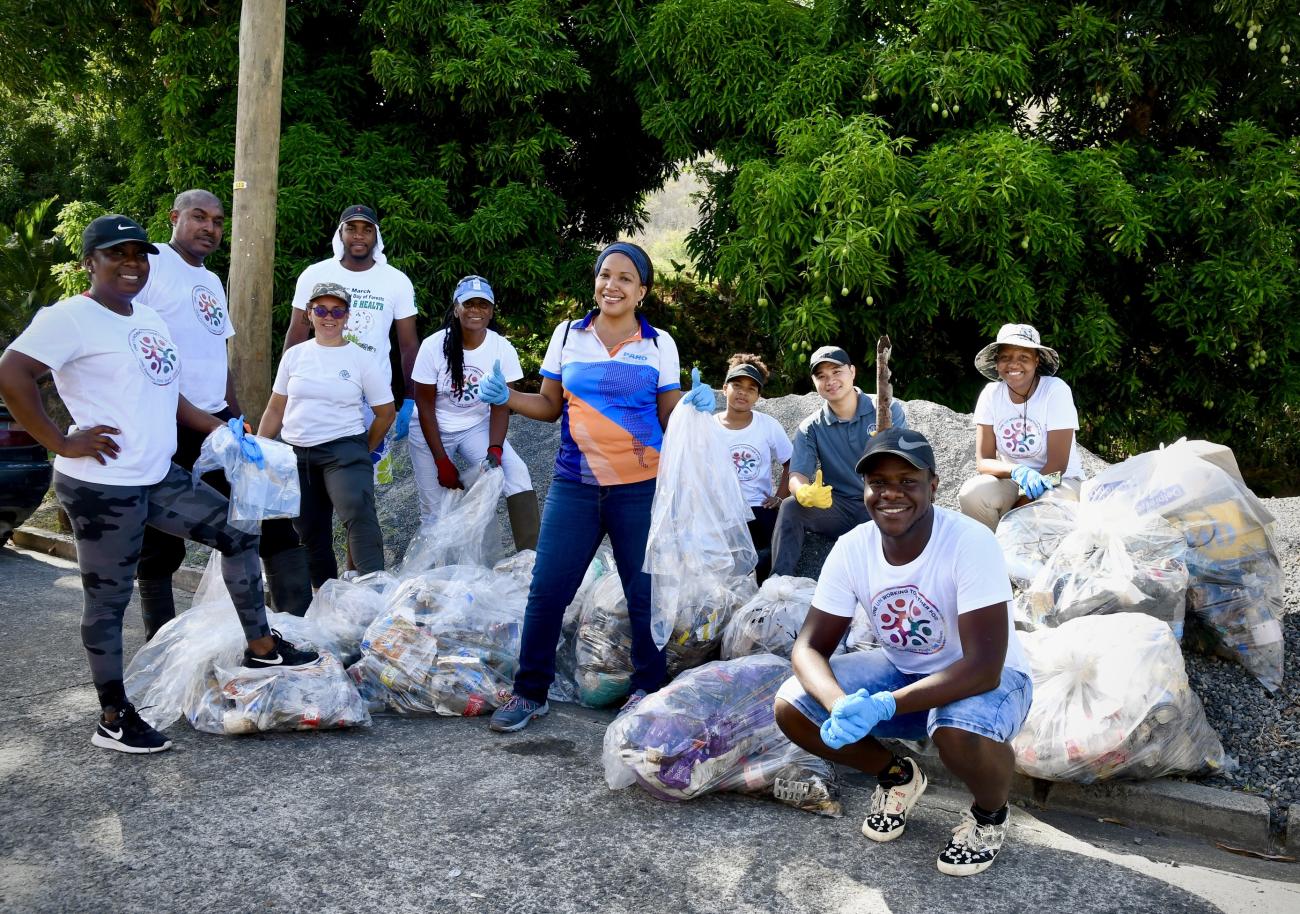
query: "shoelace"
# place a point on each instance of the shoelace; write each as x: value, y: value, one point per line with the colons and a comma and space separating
x: 884, y: 801
x: 971, y: 834
x: 514, y: 702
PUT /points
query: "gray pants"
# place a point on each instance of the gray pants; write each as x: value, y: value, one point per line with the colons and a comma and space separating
x: 337, y: 476
x: 108, y: 523
x: 794, y: 520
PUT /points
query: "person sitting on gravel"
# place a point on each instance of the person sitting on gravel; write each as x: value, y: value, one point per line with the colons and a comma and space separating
x: 828, y: 443
x: 1024, y: 428
x: 116, y: 370
x: 949, y: 664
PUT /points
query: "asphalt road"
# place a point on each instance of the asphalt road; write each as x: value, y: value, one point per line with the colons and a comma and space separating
x: 427, y: 815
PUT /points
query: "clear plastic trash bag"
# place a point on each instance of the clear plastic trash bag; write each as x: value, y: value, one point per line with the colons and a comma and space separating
x: 1029, y: 535
x: 1111, y: 700
x: 712, y: 729
x: 318, y: 696
x: 1234, y: 591
x: 464, y: 531
x: 698, y: 522
x: 256, y: 493
x: 603, y: 644
x: 447, y: 643
x: 519, y: 567
x: 565, y: 686
x: 770, y: 621
x: 341, y: 612
x: 706, y: 608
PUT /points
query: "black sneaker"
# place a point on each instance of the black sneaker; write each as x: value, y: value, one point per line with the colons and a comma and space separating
x: 129, y: 733
x: 972, y: 847
x: 285, y: 654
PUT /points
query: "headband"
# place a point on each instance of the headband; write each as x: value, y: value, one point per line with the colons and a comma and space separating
x: 638, y: 257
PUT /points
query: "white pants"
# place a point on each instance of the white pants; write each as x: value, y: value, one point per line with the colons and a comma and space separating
x: 986, y: 498
x: 472, y: 445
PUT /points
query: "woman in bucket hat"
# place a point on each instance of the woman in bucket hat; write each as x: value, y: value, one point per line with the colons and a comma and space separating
x: 1024, y: 427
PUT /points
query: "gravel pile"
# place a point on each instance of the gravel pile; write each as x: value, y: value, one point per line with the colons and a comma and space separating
x: 1260, y: 731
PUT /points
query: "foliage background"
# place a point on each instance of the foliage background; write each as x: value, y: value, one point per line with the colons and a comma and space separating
x: 1122, y: 175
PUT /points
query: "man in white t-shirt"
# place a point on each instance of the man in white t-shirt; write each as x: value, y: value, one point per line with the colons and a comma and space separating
x: 948, y: 663
x: 191, y: 299
x: 383, y: 299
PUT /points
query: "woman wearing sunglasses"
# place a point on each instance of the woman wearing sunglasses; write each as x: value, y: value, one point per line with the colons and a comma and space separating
x: 316, y: 407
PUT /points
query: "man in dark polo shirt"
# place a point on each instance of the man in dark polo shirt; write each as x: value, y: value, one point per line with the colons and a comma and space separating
x: 825, y: 490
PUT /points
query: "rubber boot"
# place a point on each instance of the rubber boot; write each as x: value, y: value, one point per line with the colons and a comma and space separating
x: 524, y: 518
x: 157, y: 605
x: 289, y: 580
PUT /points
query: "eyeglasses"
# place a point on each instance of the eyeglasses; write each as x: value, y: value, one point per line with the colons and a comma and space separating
x: 337, y: 313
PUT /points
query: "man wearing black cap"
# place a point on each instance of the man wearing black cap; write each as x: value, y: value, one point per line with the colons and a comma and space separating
x: 826, y: 445
x: 934, y: 588
x: 382, y: 298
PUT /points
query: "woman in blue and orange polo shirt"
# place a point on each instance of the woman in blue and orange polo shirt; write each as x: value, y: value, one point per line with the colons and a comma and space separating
x: 612, y: 379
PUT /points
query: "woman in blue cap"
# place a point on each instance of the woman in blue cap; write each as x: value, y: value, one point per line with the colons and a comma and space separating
x: 612, y: 380
x: 452, y: 417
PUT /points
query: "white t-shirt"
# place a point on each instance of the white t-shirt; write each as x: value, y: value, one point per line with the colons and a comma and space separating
x: 112, y: 370
x: 325, y: 385
x: 913, y: 608
x: 193, y: 303
x: 753, y: 449
x: 380, y: 296
x: 457, y: 413
x: 1020, y: 429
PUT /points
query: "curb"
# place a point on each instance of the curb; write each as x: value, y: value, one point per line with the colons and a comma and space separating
x: 60, y: 545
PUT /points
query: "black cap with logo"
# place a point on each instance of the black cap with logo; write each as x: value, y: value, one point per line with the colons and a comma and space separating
x: 112, y: 230
x: 911, y: 445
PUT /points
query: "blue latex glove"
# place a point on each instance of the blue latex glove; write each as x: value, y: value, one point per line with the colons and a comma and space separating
x: 492, y: 388
x: 402, y: 427
x: 248, y: 445
x: 854, y: 716
x: 1031, y: 482
x: 701, y: 394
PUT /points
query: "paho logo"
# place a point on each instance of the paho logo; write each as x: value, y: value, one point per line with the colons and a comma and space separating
x: 156, y: 355
x: 209, y: 309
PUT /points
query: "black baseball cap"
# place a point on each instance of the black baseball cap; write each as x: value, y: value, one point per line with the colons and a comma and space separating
x: 907, y: 443
x: 745, y: 370
x: 112, y: 230
x: 829, y: 354
x: 364, y: 213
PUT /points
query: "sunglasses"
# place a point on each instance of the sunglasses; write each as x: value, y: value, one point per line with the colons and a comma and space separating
x: 337, y: 313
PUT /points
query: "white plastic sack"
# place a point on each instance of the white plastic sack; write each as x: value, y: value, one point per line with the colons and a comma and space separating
x: 1029, y: 535
x: 1111, y: 700
x: 565, y: 686
x: 713, y: 729
x: 341, y: 612
x: 464, y: 531
x: 770, y: 621
x: 318, y: 696
x: 603, y: 644
x: 698, y: 523
x: 706, y: 607
x: 256, y: 493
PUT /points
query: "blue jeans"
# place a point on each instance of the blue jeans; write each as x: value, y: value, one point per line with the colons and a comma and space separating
x: 576, y: 517
x: 996, y: 714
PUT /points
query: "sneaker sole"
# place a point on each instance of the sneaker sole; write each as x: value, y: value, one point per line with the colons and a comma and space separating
x: 898, y: 833
x: 964, y: 869
x: 104, y: 742
x: 515, y: 728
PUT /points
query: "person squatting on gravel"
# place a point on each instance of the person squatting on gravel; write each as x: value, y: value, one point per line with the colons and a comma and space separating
x: 614, y: 380
x: 451, y: 417
x: 191, y: 300
x: 949, y: 665
x: 829, y: 443
x: 754, y: 440
x: 1024, y: 428
x: 316, y: 406
x: 117, y: 372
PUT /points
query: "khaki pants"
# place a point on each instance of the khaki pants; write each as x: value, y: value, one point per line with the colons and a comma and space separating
x: 986, y: 498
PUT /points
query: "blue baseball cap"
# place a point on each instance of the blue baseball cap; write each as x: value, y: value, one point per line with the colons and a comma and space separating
x: 473, y: 287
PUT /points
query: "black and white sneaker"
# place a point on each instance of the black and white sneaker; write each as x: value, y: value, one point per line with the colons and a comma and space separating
x: 284, y: 654
x: 973, y: 847
x: 890, y: 806
x: 129, y: 733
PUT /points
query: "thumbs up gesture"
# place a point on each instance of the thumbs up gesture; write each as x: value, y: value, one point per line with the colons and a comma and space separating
x: 701, y: 395
x: 492, y: 388
x: 815, y: 494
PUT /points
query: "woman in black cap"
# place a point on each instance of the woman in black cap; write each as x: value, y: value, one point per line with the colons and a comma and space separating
x: 116, y: 369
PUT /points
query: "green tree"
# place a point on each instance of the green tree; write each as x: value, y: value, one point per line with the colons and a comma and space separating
x: 29, y: 249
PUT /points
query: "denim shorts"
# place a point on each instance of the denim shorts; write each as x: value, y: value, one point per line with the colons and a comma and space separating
x: 997, y: 714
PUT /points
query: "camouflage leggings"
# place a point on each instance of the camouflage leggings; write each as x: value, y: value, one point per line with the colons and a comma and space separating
x: 108, y: 523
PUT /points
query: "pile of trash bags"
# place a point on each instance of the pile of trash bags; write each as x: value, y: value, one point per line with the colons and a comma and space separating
x: 260, y: 489
x: 712, y: 729
x: 1111, y: 700
x: 770, y: 621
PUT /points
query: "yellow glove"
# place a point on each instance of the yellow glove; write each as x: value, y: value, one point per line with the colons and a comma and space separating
x: 815, y: 494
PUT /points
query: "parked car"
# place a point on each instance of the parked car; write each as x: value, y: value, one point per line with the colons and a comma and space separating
x: 25, y: 474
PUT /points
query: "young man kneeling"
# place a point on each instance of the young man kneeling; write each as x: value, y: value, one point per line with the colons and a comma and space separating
x: 949, y: 664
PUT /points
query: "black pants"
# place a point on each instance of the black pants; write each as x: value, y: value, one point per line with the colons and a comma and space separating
x: 337, y: 478
x: 162, y: 553
x: 760, y: 531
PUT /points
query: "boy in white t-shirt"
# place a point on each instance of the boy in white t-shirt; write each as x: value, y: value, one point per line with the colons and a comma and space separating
x: 452, y: 417
x: 755, y: 440
x: 949, y: 665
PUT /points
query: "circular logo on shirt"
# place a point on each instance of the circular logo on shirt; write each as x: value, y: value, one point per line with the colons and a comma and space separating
x: 747, y: 461
x: 1020, y: 436
x: 907, y: 621
x: 469, y: 392
x: 345, y: 374
x: 209, y: 310
x: 156, y: 355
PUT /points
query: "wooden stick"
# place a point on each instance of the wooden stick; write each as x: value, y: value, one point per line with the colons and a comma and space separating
x: 884, y: 390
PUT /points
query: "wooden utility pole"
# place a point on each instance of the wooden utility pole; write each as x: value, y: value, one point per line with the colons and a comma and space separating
x: 257, y: 168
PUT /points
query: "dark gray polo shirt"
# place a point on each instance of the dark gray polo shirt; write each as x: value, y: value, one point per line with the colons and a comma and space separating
x: 835, y: 444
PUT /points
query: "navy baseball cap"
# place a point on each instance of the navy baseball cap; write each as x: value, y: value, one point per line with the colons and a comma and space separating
x: 907, y: 443
x: 110, y: 231
x: 364, y: 213
x: 833, y: 354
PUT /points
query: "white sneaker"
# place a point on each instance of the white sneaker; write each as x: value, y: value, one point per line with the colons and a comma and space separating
x: 889, y: 807
x: 973, y: 847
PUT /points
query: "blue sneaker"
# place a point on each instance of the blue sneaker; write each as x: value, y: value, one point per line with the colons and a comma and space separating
x: 517, y: 713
